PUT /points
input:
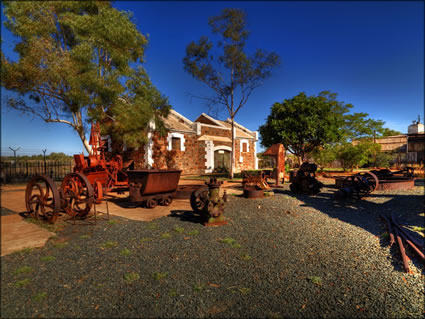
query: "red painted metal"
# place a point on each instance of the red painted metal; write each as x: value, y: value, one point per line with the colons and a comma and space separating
x: 402, y: 251
x: 152, y: 185
x: 109, y: 174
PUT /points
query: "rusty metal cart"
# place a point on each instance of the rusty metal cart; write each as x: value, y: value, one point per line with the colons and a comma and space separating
x: 153, y: 186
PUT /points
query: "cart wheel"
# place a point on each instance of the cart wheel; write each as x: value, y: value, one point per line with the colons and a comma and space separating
x: 151, y: 203
x: 166, y: 201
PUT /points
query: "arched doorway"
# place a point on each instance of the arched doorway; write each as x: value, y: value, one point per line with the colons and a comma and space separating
x: 222, y: 160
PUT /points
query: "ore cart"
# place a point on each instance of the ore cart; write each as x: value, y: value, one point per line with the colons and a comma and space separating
x: 152, y: 186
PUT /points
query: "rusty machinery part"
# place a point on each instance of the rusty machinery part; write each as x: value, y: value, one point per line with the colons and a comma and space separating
x: 304, y: 180
x: 166, y: 201
x: 77, y: 194
x: 253, y: 192
x: 255, y: 180
x: 358, y: 185
x: 98, y: 192
x: 199, y: 199
x: 42, y: 199
x: 151, y: 203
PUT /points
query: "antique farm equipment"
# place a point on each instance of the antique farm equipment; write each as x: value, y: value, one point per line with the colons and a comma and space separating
x: 44, y: 200
x: 358, y: 185
x: 153, y: 186
x: 208, y: 203
x: 277, y: 151
x: 304, y: 179
x: 253, y: 192
x: 103, y: 175
x: 383, y: 179
x: 258, y: 180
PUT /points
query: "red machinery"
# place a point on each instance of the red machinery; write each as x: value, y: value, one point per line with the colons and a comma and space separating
x: 92, y: 176
x: 102, y: 174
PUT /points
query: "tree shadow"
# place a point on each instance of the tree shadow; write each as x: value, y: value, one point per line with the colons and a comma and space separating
x: 408, y: 209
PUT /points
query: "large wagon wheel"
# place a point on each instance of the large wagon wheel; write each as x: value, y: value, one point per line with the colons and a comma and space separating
x: 42, y: 199
x: 78, y: 195
x: 199, y: 199
x: 362, y: 183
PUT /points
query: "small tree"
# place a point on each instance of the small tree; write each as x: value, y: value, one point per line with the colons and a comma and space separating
x: 352, y: 156
x: 325, y: 155
x: 75, y: 65
x: 305, y: 123
x: 231, y: 74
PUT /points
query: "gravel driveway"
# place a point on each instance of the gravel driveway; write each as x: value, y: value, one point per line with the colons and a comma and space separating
x: 283, y: 256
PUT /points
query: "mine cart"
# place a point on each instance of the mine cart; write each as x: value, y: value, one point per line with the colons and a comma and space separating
x: 153, y: 186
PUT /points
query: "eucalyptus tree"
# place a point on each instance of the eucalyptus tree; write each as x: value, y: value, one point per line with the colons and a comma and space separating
x: 80, y: 61
x: 226, y: 67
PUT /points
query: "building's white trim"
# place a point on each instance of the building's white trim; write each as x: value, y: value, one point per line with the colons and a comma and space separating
x: 222, y: 147
x: 148, y: 151
x: 197, y: 128
x: 209, y: 156
x: 178, y: 135
x: 240, y: 159
x: 176, y: 114
x: 243, y: 128
x: 212, y: 119
x: 242, y: 141
x: 220, y: 128
x: 255, y: 155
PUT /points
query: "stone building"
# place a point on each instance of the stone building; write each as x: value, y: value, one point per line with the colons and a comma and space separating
x: 200, y: 146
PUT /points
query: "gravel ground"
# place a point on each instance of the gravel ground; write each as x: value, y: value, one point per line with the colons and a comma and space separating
x: 282, y: 256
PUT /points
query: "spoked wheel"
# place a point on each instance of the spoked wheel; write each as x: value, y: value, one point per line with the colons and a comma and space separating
x: 362, y: 183
x: 42, y: 199
x: 199, y: 199
x: 151, y: 203
x: 98, y: 192
x: 166, y: 201
x: 78, y: 195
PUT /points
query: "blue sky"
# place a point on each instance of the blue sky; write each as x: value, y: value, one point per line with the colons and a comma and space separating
x: 370, y: 53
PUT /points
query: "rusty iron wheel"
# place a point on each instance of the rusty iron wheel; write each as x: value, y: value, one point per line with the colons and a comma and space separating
x: 78, y: 195
x: 98, y: 192
x: 199, y: 199
x: 42, y: 199
x: 166, y: 201
x: 151, y: 203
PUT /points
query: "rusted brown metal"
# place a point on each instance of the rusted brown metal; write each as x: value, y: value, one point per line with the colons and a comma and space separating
x: 413, y: 246
x: 396, y: 224
x: 185, y: 191
x: 111, y: 175
x: 42, y: 199
x: 253, y: 192
x: 304, y: 179
x: 390, y: 230
x: 402, y: 251
x: 358, y: 185
x: 153, y: 186
x: 278, y: 152
x: 77, y: 195
x: 258, y: 180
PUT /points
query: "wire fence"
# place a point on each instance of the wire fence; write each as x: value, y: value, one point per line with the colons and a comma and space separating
x: 20, y: 171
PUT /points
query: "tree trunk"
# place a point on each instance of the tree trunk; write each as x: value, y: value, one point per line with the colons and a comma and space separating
x: 83, y: 138
x: 232, y: 155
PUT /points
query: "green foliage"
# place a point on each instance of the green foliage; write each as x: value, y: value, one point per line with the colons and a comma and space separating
x: 48, y: 258
x: 130, y: 277
x: 351, y: 155
x: 159, y: 275
x: 325, y: 155
x: 23, y: 270
x: 125, y: 252
x: 231, y: 242
x: 165, y: 235
x: 388, y: 132
x: 79, y: 61
x: 22, y: 283
x: 382, y: 159
x: 316, y: 280
x: 178, y: 229
x: 40, y: 296
x: 109, y: 244
x: 193, y: 232
x: 304, y: 123
x: 226, y: 67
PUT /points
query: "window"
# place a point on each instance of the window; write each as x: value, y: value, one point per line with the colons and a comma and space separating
x: 244, y: 147
x: 175, y: 144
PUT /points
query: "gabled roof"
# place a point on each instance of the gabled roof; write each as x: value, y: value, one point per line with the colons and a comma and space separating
x: 177, y: 122
x: 206, y: 119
